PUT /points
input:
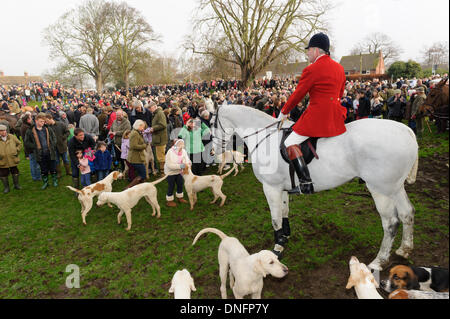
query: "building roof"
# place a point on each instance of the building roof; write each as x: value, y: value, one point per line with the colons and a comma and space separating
x: 353, y: 62
x: 19, y: 80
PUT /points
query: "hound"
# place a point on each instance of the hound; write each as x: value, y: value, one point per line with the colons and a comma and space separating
x: 362, y: 280
x: 195, y: 184
x: 182, y: 285
x: 246, y: 271
x: 417, y: 294
x: 416, y: 278
x: 129, y: 198
x: 234, y: 157
x: 87, y: 194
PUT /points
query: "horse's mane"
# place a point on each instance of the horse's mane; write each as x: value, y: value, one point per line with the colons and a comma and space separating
x: 253, y: 110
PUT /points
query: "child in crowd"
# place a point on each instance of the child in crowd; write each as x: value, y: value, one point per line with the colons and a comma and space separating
x: 102, y: 161
x: 124, y: 149
x: 85, y: 169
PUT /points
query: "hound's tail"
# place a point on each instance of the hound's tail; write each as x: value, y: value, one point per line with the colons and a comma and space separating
x: 210, y: 230
x: 412, y: 177
x: 74, y: 189
x: 229, y: 172
x: 159, y: 180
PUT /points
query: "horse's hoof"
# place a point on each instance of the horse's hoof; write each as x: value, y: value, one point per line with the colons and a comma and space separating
x: 403, y: 253
x: 375, y: 266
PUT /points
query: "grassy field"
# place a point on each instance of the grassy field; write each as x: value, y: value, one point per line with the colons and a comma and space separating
x: 41, y: 234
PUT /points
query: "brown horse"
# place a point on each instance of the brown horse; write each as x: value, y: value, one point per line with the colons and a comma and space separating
x: 436, y: 105
x: 11, y: 119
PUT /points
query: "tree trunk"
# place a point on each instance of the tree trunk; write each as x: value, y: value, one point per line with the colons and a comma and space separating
x: 246, y: 78
x: 99, y: 83
x: 126, y: 81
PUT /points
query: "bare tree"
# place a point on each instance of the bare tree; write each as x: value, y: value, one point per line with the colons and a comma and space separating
x: 436, y: 54
x: 68, y: 77
x: 253, y: 33
x: 131, y: 34
x: 375, y: 42
x: 80, y: 38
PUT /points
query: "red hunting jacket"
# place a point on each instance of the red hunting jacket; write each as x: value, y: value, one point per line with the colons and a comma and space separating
x: 325, y: 82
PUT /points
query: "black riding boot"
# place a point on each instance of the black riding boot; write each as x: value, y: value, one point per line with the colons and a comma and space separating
x: 306, y: 185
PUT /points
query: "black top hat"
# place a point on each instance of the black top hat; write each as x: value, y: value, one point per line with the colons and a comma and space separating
x: 321, y: 41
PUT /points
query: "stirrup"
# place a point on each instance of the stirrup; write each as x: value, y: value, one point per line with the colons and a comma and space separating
x: 304, y: 188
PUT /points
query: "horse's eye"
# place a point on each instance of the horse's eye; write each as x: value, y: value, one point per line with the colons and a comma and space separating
x: 271, y: 262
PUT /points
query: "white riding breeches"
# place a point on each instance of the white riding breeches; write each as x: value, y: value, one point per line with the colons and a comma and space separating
x: 294, y: 139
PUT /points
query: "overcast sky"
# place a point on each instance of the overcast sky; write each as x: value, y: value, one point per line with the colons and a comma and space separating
x: 413, y: 24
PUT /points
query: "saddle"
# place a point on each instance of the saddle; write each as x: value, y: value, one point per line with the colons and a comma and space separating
x: 308, y: 148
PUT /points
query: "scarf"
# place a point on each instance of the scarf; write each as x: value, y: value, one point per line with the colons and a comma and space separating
x: 36, y: 138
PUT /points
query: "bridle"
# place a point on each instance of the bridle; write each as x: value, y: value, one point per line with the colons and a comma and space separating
x: 224, y: 142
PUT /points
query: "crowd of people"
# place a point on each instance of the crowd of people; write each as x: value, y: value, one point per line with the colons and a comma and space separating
x: 90, y: 134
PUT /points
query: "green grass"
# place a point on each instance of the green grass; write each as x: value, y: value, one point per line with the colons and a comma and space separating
x: 41, y: 233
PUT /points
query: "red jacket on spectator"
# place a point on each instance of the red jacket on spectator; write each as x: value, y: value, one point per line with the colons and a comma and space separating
x: 325, y: 116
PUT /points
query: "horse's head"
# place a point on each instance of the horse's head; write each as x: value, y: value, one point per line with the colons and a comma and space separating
x: 220, y: 131
x: 437, y: 97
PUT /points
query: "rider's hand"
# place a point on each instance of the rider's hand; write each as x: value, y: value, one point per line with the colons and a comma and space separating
x: 282, y: 117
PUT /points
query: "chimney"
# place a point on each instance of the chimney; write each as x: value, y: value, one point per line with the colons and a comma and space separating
x: 2, y: 73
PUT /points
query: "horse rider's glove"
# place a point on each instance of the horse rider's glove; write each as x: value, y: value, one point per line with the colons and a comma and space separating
x: 283, y: 117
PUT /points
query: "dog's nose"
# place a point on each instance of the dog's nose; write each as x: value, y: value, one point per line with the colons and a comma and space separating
x: 286, y: 270
x: 383, y: 283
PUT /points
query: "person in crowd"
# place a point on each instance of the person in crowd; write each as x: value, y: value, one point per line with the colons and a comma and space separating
x: 10, y: 147
x: 41, y: 141
x: 396, y: 105
x: 176, y: 161
x: 159, y: 134
x: 90, y: 124
x: 79, y: 142
x: 35, y: 169
x: 363, y: 105
x: 118, y: 127
x: 85, y: 169
x: 124, y: 154
x: 62, y: 133
x: 193, y: 133
x: 102, y: 161
x: 376, y: 105
x: 416, y: 116
x: 136, y: 155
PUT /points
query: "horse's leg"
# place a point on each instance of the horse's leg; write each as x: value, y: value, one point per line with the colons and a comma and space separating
x: 285, y: 214
x: 406, y: 214
x: 274, y: 199
x: 389, y: 219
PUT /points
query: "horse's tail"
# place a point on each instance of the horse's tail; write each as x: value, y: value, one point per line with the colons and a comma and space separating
x: 210, y: 230
x: 412, y: 177
x: 229, y: 172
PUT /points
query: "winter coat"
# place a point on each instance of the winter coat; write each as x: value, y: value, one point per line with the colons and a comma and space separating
x: 74, y: 145
x: 137, y: 147
x: 33, y: 144
x: 9, y: 151
x: 193, y: 139
x: 89, y: 123
x: 172, y: 164
x: 119, y: 128
x: 159, y: 125
x: 102, y: 161
x: 396, y: 108
x: 325, y: 116
x: 62, y: 133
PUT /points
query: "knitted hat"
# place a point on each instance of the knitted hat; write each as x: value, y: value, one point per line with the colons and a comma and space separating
x: 3, y: 127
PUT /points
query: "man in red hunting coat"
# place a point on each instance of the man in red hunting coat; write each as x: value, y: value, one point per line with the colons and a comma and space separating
x: 324, y: 79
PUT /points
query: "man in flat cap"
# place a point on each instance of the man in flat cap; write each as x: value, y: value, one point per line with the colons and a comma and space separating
x: 324, y: 79
x: 415, y: 114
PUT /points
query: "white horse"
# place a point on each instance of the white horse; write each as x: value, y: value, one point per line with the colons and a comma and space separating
x: 383, y: 153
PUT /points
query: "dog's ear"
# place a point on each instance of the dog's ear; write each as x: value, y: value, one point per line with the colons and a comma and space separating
x: 350, y: 283
x: 413, y: 283
x: 192, y: 285
x: 259, y: 268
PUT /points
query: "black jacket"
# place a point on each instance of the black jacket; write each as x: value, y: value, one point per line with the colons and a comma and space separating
x: 75, y: 145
